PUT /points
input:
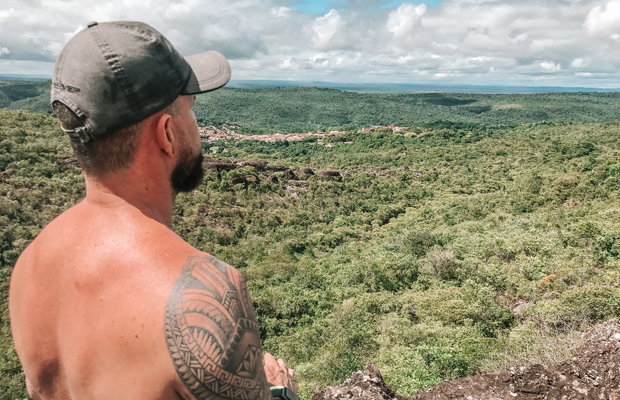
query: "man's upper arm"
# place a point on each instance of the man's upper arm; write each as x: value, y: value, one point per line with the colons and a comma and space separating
x: 212, y: 335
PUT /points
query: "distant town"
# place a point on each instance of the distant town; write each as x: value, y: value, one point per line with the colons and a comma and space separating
x: 211, y: 134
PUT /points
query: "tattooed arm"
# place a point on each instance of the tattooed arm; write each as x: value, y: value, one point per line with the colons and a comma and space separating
x: 212, y: 334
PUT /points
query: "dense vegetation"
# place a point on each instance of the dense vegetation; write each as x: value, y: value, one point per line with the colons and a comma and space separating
x: 418, y: 269
x: 312, y: 109
x: 272, y: 110
x: 494, y: 248
x: 25, y: 95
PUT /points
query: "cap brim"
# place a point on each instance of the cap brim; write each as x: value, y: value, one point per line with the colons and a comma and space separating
x: 210, y: 71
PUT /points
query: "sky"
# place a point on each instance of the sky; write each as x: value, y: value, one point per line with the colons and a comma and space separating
x: 474, y: 42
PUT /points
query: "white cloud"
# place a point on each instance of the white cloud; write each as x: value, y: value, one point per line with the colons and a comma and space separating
x: 25, y: 67
x: 281, y: 12
x: 405, y: 18
x: 580, y: 62
x: 54, y: 48
x: 289, y: 63
x: 69, y: 35
x: 550, y: 66
x: 4, y: 50
x: 474, y: 41
x: 444, y: 75
x: 6, y: 15
x: 604, y: 19
x: 326, y: 30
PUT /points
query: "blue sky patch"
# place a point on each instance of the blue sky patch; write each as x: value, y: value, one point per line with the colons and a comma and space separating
x: 323, y: 6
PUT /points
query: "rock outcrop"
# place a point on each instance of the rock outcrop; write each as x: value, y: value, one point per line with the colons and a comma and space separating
x: 335, y: 175
x: 593, y: 373
x: 363, y: 385
x: 288, y: 174
x: 214, y: 164
x: 305, y: 171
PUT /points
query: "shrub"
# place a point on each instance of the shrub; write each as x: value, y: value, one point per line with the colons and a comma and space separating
x: 384, y: 214
x: 588, y: 304
x: 445, y: 265
x: 473, y: 304
x: 377, y: 271
x: 565, y: 185
x: 535, y: 183
x: 419, y: 242
x: 445, y: 362
x: 406, y: 372
x: 282, y: 263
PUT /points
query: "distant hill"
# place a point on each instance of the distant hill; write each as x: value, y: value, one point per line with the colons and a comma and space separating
x: 25, y: 95
x: 428, y: 87
x: 23, y: 77
x: 311, y: 109
x: 302, y: 109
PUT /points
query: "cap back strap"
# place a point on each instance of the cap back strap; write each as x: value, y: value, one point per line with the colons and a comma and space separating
x: 80, y: 134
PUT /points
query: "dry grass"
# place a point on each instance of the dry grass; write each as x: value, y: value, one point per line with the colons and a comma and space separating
x: 532, y: 344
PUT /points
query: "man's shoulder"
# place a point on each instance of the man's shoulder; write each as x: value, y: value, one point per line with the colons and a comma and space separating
x: 199, y: 262
x: 212, y: 334
x: 56, y: 234
x: 204, y: 275
x: 95, y: 250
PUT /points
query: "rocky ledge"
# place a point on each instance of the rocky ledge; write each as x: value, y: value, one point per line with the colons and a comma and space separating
x: 593, y: 373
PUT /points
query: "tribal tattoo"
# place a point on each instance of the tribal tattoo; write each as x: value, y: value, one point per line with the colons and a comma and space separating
x: 212, y: 334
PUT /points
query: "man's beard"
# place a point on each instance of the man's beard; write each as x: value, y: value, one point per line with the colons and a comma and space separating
x: 188, y: 173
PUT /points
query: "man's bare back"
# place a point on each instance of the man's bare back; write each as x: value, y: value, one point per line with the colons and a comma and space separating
x: 88, y: 299
x: 108, y: 302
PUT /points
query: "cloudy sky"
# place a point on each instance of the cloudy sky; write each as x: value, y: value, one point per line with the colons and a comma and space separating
x: 506, y: 42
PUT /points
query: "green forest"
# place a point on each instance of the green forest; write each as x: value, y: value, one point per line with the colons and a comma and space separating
x: 485, y: 237
x: 259, y: 111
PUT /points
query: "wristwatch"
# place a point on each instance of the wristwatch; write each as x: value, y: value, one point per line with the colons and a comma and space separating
x: 283, y: 393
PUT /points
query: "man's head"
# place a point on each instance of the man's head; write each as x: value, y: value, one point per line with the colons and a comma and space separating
x: 118, y: 150
x: 112, y: 77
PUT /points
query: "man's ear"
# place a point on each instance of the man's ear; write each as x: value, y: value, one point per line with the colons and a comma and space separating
x: 165, y: 135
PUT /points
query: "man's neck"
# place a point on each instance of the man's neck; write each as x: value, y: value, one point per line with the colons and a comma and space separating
x: 152, y: 197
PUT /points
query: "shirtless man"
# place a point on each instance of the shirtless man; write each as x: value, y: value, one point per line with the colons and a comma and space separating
x: 108, y: 302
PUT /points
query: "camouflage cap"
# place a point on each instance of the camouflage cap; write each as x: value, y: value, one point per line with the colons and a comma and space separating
x: 115, y: 74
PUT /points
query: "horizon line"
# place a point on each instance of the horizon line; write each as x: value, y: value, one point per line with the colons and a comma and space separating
x: 335, y: 84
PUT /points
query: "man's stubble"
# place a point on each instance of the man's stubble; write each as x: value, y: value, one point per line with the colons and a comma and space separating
x: 187, y: 174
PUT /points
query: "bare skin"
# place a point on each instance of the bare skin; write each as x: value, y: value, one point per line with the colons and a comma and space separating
x: 109, y: 303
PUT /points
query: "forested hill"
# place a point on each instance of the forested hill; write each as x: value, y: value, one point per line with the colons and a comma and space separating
x: 471, y: 248
x: 311, y: 109
x: 434, y: 256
